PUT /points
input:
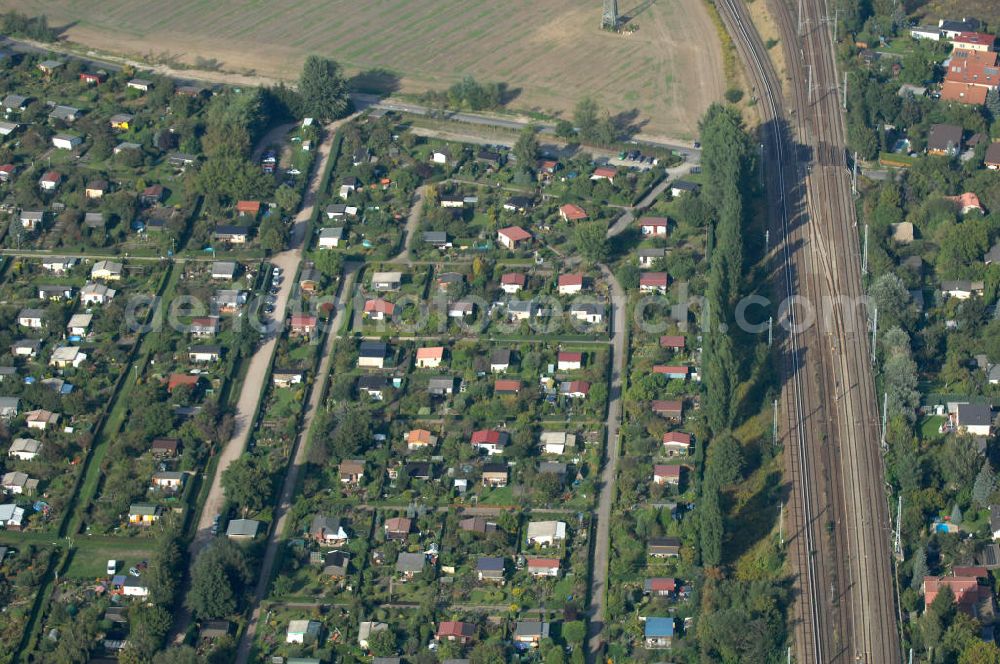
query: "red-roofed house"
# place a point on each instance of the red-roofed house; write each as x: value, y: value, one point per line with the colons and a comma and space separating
x: 654, y: 226
x: 575, y: 389
x: 973, y: 41
x: 453, y: 630
x: 653, y: 282
x: 672, y: 342
x: 303, y: 324
x: 512, y: 282
x: 672, y: 372
x: 661, y: 587
x: 666, y: 474
x: 248, y: 208
x: 6, y: 172
x: 572, y: 212
x: 378, y: 309
x: 512, y: 236
x: 569, y: 361
x: 490, y: 440
x: 543, y: 566
x: 967, y: 202
x: 676, y: 443
x: 604, y: 173
x: 672, y: 410
x: 50, y: 180
x: 968, y: 593
x: 570, y: 284
x: 507, y: 386
x: 430, y: 358
x: 92, y: 79
x: 178, y: 379
x: 418, y: 439
x: 969, y: 76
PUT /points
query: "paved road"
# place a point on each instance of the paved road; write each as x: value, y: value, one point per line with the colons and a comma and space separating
x: 628, y: 217
x: 299, y: 453
x: 412, y: 225
x: 602, y: 543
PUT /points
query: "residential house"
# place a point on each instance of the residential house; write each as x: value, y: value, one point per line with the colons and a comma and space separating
x: 66, y: 141
x: 25, y: 348
x: 340, y: 210
x: 330, y: 238
x: 65, y: 357
x: 11, y: 516
x: 437, y: 239
x: 500, y: 360
x: 546, y: 533
x: 50, y: 180
x: 520, y: 310
x: 664, y: 547
x: 666, y: 474
x: 490, y: 568
x: 441, y: 386
x: 512, y: 282
x: 387, y: 281
x: 143, y: 514
x: 152, y: 195
x: 93, y: 293
x: 15, y: 483
x: 310, y: 280
x: 373, y: 386
x: 328, y: 530
x: 231, y: 234
x: 283, y: 378
x: 204, y: 326
x: 681, y: 187
x: 970, y: 595
x: 966, y: 202
x: 33, y: 318
x: 961, y: 289
x: 181, y: 159
x: 439, y: 157
x: 660, y: 587
x: 456, y: 631
x: 572, y: 212
x: 512, y: 236
x: 419, y: 439
x: 204, y: 353
x: 302, y: 631
x: 490, y: 441
x: 448, y: 279
x: 8, y: 128
x: 604, y: 173
x: 58, y: 264
x: 141, y: 84
x: 248, y: 209
x: 214, y: 629
x: 993, y: 255
x: 587, y: 312
x: 676, y: 443
x: 348, y: 186
x: 992, y: 158
x: 675, y: 343
x: 63, y: 113
x: 529, y: 633
x: 574, y: 389
x: 176, y: 380
x: 32, y: 219
x: 506, y: 386
x: 569, y: 361
x: 13, y: 103
x: 410, y: 564
x: 430, y: 357
x: 224, y: 270
x: 543, y: 566
x: 447, y: 201
x: 975, y: 419
x: 378, y: 309
x: 518, y: 204
x: 169, y: 480
x: 351, y: 471
x: 303, y: 324
x: 970, y: 40
x: 477, y: 524
x: 650, y: 255
x: 944, y: 140
x: 25, y: 449
x: 335, y: 564
x: 653, y: 282
x: 96, y: 189
x: 570, y: 284
x: 654, y: 226
x: 969, y: 76
x: 461, y: 308
x: 673, y: 372
x: 658, y: 632
x: 398, y: 528
x: 372, y: 354
x: 107, y: 270
x: 242, y: 529
x: 557, y: 442
x: 672, y: 410
x: 165, y: 447
x: 94, y: 220
x: 7, y: 172
x: 121, y: 121
x: 489, y: 157
x: 495, y: 475
x: 133, y: 587
x: 366, y: 629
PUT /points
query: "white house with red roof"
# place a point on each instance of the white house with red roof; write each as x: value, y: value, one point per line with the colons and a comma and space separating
x: 512, y: 282
x: 676, y: 443
x: 568, y: 361
x: 572, y: 212
x: 604, y: 173
x: 666, y: 474
x: 490, y: 441
x: 656, y: 226
x: 512, y: 236
x: 653, y: 282
x: 570, y: 284
x: 379, y: 309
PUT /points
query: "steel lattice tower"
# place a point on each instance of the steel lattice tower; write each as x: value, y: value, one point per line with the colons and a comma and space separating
x: 610, y: 17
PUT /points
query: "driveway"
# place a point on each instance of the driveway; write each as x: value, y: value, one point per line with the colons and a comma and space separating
x: 599, y: 578
x: 412, y: 225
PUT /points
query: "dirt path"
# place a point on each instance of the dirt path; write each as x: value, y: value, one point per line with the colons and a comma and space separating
x: 299, y: 452
x: 412, y: 224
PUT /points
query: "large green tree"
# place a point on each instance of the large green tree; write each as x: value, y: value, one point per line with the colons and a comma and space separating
x: 323, y: 89
x: 219, y: 579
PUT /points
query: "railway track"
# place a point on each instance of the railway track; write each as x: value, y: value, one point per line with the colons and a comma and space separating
x: 839, y: 540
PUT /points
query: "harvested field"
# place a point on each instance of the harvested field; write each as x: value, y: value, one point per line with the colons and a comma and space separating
x: 549, y: 52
